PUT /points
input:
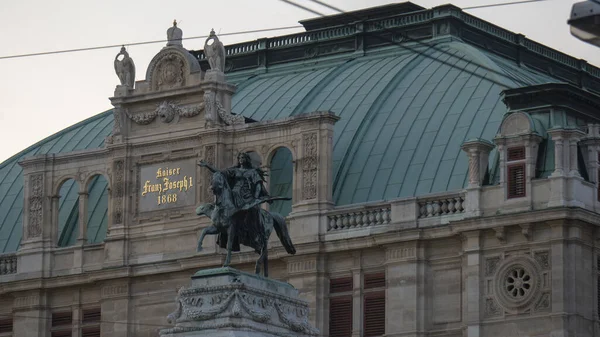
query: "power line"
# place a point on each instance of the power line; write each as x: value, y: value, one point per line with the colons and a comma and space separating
x: 503, y: 4
x: 419, y: 52
x: 142, y: 43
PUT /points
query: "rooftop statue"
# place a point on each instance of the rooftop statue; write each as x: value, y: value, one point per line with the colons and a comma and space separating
x: 215, y: 52
x: 236, y: 214
x: 125, y: 68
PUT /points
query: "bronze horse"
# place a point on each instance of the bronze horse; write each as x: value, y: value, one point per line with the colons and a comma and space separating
x: 236, y: 227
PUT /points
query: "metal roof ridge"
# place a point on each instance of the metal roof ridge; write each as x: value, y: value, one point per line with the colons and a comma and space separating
x: 55, y: 135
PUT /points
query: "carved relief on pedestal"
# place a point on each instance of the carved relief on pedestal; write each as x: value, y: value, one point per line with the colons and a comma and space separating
x: 119, y: 187
x: 36, y: 189
x: 309, y: 167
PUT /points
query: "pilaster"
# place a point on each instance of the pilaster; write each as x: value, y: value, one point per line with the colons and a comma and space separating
x: 307, y: 274
x: 472, y: 274
x: 31, y: 315
x: 115, y: 309
x: 566, y: 177
x: 405, y: 312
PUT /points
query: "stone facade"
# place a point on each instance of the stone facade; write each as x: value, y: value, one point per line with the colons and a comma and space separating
x: 470, y: 262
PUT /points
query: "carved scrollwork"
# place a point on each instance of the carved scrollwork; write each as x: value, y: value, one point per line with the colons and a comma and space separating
x: 227, y: 117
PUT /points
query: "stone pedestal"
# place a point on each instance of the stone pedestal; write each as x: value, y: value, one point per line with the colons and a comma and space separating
x: 225, y: 302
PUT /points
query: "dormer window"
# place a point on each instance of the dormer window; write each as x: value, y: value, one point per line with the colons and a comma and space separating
x: 515, y: 168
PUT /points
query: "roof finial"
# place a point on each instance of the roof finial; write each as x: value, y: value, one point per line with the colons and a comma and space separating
x: 174, y: 35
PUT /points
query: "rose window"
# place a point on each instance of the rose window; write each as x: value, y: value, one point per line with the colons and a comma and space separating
x: 518, y: 283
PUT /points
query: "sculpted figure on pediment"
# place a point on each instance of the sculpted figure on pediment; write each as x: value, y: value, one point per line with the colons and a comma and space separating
x: 125, y: 68
x: 215, y: 52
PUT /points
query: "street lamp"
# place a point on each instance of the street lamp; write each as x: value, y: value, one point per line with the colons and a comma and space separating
x: 585, y: 21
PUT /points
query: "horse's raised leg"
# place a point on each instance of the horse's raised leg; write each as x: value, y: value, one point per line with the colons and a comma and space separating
x: 230, y: 233
x: 212, y: 230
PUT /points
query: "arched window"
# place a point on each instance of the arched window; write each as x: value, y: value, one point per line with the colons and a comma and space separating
x: 97, y: 209
x: 68, y: 213
x: 281, y: 180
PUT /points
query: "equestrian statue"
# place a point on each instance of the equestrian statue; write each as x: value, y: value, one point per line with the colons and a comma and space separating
x: 237, y: 216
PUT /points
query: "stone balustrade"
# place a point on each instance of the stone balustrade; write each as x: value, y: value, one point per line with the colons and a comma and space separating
x: 8, y: 264
x: 359, y: 218
x: 441, y: 205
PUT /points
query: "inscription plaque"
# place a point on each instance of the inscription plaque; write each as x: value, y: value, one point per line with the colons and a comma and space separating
x: 167, y: 185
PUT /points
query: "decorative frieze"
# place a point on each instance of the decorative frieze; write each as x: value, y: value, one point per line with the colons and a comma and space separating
x: 309, y: 166
x: 26, y: 301
x: 491, y: 264
x: 304, y: 266
x: 115, y: 290
x: 492, y: 308
x: 400, y: 254
x: 36, y: 187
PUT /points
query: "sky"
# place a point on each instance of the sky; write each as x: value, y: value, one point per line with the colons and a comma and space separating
x: 42, y: 95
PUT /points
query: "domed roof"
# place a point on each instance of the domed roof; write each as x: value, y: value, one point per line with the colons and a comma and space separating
x: 404, y: 114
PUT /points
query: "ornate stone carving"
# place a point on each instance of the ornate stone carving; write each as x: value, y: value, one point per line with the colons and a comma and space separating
x: 309, y: 167
x: 209, y: 157
x: 543, y: 303
x: 166, y: 111
x: 227, y: 117
x: 125, y: 68
x: 515, y: 124
x: 119, y: 186
x: 169, y: 72
x: 117, y: 122
x: 235, y: 302
x: 543, y: 259
x: 517, y: 283
x: 491, y: 264
x: 36, y: 188
x: 492, y: 308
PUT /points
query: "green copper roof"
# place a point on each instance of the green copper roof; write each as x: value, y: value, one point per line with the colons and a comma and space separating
x: 404, y: 115
x: 87, y: 134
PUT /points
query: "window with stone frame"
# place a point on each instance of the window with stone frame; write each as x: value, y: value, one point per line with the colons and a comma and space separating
x: 340, y: 307
x: 6, y: 326
x: 62, y: 324
x: 374, y: 304
x: 90, y: 322
x: 515, y: 172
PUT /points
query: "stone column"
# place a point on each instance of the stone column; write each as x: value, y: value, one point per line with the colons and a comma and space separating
x: 566, y: 173
x: 83, y: 205
x: 472, y: 291
x: 478, y: 151
x: 591, y: 148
